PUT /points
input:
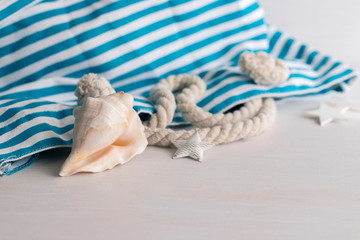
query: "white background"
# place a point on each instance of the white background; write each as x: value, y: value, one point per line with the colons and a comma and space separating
x: 296, y: 181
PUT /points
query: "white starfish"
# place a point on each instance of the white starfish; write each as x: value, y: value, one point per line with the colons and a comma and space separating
x: 352, y: 114
x: 328, y: 114
x: 193, y: 147
x: 353, y: 104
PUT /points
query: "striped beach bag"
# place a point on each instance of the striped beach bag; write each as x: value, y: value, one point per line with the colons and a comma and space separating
x: 47, y: 45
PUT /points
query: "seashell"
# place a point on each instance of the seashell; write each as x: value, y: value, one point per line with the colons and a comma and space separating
x: 107, y: 132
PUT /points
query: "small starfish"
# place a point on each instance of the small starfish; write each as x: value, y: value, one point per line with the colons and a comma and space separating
x: 193, y: 147
x: 353, y: 104
x: 328, y: 114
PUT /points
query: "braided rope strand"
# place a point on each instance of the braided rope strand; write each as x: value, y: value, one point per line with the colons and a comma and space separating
x: 218, y: 134
x: 251, y: 119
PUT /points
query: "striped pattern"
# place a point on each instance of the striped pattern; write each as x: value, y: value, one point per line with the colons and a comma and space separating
x: 46, y: 46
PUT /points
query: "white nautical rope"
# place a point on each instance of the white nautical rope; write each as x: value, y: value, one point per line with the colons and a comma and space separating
x: 251, y: 119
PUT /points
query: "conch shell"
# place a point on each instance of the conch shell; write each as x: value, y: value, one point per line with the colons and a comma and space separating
x: 107, y: 132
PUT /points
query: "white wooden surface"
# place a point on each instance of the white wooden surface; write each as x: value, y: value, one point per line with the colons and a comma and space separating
x: 295, y: 181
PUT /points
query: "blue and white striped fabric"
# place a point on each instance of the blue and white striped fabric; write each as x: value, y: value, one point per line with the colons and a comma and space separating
x: 47, y: 45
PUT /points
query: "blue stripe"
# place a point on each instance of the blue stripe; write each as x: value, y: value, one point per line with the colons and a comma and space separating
x: 184, y: 69
x: 273, y: 41
x: 46, y: 143
x: 286, y: 48
x: 12, y: 111
x: 27, y: 22
x: 301, y: 75
x: 40, y: 93
x: 221, y: 80
x: 17, y: 65
x: 18, y: 122
x: 142, y: 101
x: 287, y: 89
x: 239, y: 83
x: 11, y: 102
x: 217, y: 74
x: 308, y: 94
x: 301, y: 52
x: 9, y: 170
x: 13, y: 8
x: 43, y: 34
x: 311, y: 57
x: 221, y: 91
x: 143, y: 108
x: 241, y: 77
x: 42, y: 127
x: 96, y: 51
x: 322, y: 63
x: 179, y: 119
x: 173, y: 55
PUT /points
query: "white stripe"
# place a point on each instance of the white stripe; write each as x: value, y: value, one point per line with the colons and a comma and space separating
x: 248, y: 45
x: 42, y: 108
x: 294, y: 48
x: 93, y: 42
x: 13, y: 17
x: 278, y: 46
x: 22, y: 103
x: 5, y: 4
x: 307, y: 52
x: 201, y: 35
x: 41, y: 84
x: 209, y: 75
x: 287, y: 96
x: 310, y: 71
x: 23, y: 127
x: 212, y: 65
x: 298, y: 64
x: 2, y: 101
x: 67, y: 34
x: 245, y: 88
x: 141, y: 104
x: 141, y: 90
x: 67, y: 98
x: 313, y: 83
x: 139, y: 42
x: 184, y: 60
x: 40, y: 8
x: 291, y: 81
x: 37, y: 138
x: 245, y: 3
x: 317, y: 59
x: 315, y: 90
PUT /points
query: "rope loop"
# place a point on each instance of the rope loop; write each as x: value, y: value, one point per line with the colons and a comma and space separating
x: 251, y: 119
